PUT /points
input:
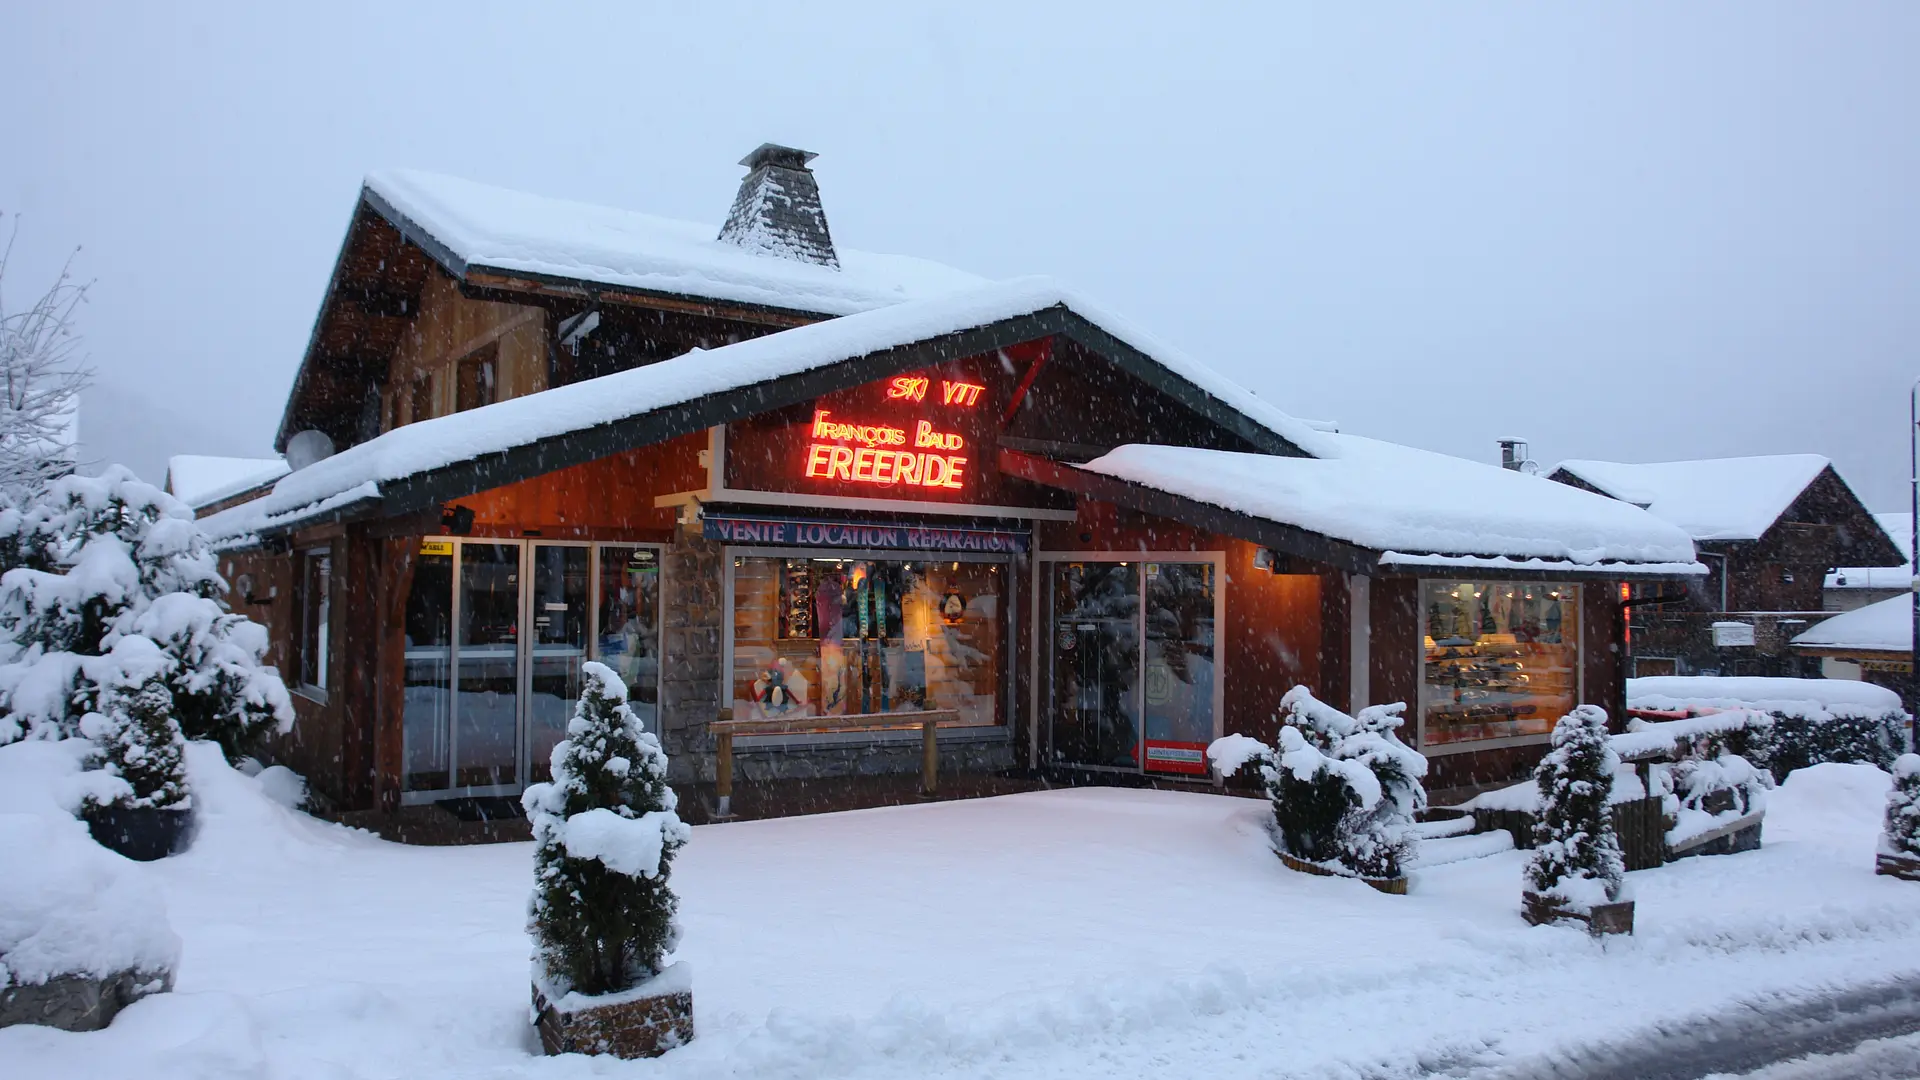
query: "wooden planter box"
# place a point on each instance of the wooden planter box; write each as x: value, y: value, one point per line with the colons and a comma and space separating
x: 1904, y: 867
x: 647, y: 1021
x: 1615, y: 918
x: 1740, y: 834
x: 1392, y: 886
x: 1639, y: 824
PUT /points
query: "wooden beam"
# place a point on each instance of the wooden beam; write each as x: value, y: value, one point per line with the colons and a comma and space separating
x: 393, y: 587
x: 833, y: 725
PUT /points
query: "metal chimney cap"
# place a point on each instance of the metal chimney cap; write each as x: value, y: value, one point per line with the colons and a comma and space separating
x: 785, y: 157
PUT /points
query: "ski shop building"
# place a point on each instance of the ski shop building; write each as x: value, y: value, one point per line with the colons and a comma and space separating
x: 832, y: 514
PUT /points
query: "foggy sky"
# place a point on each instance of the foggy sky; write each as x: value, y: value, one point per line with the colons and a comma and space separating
x: 1628, y: 232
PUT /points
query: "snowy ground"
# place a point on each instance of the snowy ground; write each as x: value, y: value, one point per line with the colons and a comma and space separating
x: 1077, y: 933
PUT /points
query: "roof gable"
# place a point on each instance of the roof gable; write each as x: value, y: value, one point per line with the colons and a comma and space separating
x: 1713, y: 498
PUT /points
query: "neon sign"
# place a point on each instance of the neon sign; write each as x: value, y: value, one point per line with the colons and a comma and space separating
x: 874, y: 462
x: 914, y: 388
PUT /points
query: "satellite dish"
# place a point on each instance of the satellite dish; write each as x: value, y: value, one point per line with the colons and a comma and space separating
x: 308, y: 447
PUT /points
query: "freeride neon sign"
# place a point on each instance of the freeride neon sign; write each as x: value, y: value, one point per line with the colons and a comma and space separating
x: 874, y: 461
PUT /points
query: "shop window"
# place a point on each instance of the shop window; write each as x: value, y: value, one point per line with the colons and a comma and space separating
x: 477, y: 379
x: 834, y: 637
x: 629, y: 625
x: 316, y: 609
x: 1502, y: 660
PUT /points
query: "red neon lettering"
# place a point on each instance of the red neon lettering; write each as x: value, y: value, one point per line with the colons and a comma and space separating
x: 885, y: 468
x: 864, y: 434
x: 960, y: 393
x: 908, y: 388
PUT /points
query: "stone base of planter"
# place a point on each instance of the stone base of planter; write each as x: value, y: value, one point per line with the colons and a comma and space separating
x: 79, y: 1002
x: 1615, y: 918
x: 627, y: 1025
x: 1904, y: 867
x: 143, y: 833
x: 1393, y: 886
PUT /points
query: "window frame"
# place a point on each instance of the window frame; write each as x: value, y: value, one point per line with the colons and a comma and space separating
x: 314, y: 634
x: 485, y: 359
x: 813, y: 740
x: 1421, y: 697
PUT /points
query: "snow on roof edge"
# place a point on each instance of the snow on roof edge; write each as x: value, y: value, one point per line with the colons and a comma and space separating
x: 1701, y: 494
x: 446, y: 440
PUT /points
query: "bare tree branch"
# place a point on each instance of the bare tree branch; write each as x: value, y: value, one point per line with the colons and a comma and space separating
x: 42, y: 372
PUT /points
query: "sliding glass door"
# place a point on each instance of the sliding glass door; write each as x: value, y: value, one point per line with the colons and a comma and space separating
x: 1128, y: 670
x: 497, y: 631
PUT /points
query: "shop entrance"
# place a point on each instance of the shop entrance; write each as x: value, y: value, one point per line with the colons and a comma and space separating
x: 496, y: 633
x: 1129, y: 680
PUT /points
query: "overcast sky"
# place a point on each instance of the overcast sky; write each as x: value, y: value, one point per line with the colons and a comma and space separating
x: 1630, y: 232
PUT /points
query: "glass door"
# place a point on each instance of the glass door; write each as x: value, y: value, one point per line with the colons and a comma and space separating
x: 1177, y: 678
x: 1130, y: 679
x: 628, y: 621
x: 1094, y: 664
x: 486, y: 719
x: 427, y: 707
x: 557, y: 646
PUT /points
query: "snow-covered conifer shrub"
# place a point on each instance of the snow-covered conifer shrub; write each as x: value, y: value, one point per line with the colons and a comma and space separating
x: 602, y: 916
x: 122, y: 559
x: 1345, y: 790
x: 1902, y: 833
x: 1576, y: 859
x: 134, y: 732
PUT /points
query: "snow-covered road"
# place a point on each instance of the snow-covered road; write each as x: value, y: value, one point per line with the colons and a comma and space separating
x: 1095, y: 932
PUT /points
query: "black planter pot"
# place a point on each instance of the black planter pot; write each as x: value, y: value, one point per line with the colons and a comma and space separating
x: 142, y: 833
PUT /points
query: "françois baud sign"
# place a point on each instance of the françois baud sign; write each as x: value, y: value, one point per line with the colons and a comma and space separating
x: 850, y: 534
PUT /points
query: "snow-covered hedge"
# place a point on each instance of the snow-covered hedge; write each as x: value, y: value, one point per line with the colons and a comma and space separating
x: 606, y: 832
x: 1345, y: 789
x: 1800, y: 722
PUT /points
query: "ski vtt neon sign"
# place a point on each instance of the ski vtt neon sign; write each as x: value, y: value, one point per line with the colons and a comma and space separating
x: 885, y: 455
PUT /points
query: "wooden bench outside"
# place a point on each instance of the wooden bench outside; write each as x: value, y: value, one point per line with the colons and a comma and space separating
x: 929, y: 721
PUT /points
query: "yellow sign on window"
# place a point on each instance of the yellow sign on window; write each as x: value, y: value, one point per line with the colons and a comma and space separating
x: 436, y: 547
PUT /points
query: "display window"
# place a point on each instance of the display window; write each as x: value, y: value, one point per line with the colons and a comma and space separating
x: 1502, y: 660
x: 832, y: 635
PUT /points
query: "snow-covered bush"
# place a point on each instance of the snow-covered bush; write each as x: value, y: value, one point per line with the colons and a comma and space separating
x: 134, y: 731
x: 1796, y: 722
x: 110, y: 558
x: 1576, y: 861
x: 1901, y: 835
x: 1345, y: 789
x: 605, y: 829
x: 1707, y: 792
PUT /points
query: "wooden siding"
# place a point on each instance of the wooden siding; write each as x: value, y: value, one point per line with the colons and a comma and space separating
x: 451, y: 326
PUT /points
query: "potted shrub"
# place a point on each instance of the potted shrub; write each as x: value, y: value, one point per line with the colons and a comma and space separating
x: 137, y: 739
x: 1899, y: 854
x: 602, y: 916
x: 1345, y: 789
x: 1576, y: 871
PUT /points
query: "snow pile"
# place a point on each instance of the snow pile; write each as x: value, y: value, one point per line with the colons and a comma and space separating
x: 358, y: 472
x: 67, y: 905
x: 476, y: 226
x: 1712, y: 499
x: 625, y: 845
x: 1415, y: 507
x: 1524, y: 797
x: 1839, y: 697
x: 1345, y: 789
x: 1882, y: 626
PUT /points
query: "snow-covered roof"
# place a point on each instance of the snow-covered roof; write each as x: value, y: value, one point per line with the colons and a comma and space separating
x: 200, y: 479
x: 1886, y: 626
x: 478, y: 226
x: 357, y: 473
x: 1714, y: 498
x: 1416, y: 507
x: 1758, y: 692
x: 1900, y: 528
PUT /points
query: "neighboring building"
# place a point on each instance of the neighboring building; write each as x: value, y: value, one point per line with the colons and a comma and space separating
x: 1769, y: 529
x: 1873, y: 644
x: 209, y: 484
x: 1854, y: 587
x: 769, y: 474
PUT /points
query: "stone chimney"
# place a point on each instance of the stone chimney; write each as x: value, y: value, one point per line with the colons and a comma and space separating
x: 778, y: 209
